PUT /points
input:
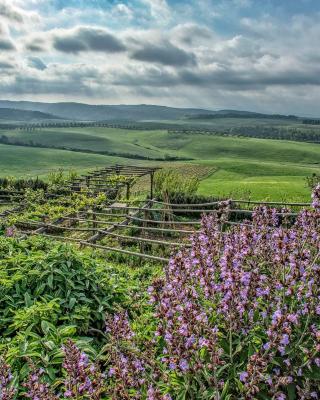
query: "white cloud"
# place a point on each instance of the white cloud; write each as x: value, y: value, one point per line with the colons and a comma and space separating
x: 159, y: 11
x: 122, y: 10
x: 263, y: 63
x: 16, y: 16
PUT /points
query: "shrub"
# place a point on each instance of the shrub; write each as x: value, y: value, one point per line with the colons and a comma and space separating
x: 22, y: 184
x: 313, y: 180
x: 239, y: 313
x: 62, y: 275
x: 170, y: 184
x: 49, y: 292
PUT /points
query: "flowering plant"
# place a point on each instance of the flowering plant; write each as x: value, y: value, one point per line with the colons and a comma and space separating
x: 237, y: 316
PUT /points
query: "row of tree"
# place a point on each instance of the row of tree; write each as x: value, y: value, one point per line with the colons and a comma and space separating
x: 260, y: 132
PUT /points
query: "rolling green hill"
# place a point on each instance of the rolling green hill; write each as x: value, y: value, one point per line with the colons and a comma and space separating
x: 260, y: 168
x: 26, y: 161
x: 99, y: 140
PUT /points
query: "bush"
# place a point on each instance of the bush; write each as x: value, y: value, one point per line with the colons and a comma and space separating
x: 62, y: 275
x: 170, y: 184
x: 48, y: 293
x: 313, y: 180
x: 22, y: 184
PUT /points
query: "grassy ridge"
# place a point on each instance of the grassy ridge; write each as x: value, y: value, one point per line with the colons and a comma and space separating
x: 93, y: 139
x: 26, y: 161
x: 260, y: 168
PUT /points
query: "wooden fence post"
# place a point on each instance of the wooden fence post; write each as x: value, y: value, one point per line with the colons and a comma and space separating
x: 128, y: 191
x: 151, y: 184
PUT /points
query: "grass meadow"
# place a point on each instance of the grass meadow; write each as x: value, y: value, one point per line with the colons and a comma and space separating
x: 250, y: 168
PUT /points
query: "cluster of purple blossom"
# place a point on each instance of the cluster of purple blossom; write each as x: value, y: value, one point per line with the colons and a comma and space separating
x: 242, y: 302
x: 316, y: 197
x: 7, y: 392
x: 83, y: 378
x: 133, y: 372
x: 237, y: 315
x: 11, y: 231
x: 36, y: 388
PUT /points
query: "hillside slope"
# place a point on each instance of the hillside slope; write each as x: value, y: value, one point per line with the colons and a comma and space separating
x: 79, y: 111
x: 245, y: 167
x: 13, y: 114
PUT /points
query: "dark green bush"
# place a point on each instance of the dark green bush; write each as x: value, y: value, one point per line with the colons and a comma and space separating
x: 33, y: 276
x: 50, y: 292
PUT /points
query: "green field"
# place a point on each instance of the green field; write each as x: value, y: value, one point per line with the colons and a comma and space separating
x: 27, y: 162
x: 246, y: 167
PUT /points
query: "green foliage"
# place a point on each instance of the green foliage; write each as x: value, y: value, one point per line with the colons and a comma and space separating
x: 61, y: 283
x: 169, y: 183
x: 38, y: 207
x: 58, y: 179
x: 43, y: 348
x: 313, y: 180
x: 49, y: 292
x: 32, y: 197
x: 12, y: 183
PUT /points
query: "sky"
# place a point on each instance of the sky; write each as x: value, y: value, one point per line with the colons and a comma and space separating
x: 258, y: 55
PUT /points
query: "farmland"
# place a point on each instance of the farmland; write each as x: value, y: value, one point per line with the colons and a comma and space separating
x: 256, y: 168
x: 159, y: 200
x: 88, y: 257
x: 89, y: 251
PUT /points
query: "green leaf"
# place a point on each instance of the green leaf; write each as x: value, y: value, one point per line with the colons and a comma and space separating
x: 50, y: 281
x: 51, y: 372
x: 24, y: 371
x: 72, y: 302
x: 291, y: 391
x: 50, y: 344
x: 66, y: 331
x: 45, y: 327
x: 27, y: 299
x: 225, y: 391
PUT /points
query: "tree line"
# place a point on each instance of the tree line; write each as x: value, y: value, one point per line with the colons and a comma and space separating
x: 260, y: 132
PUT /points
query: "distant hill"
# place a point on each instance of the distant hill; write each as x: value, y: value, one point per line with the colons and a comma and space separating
x: 241, y: 114
x: 87, y: 112
x: 12, y: 114
x: 121, y: 112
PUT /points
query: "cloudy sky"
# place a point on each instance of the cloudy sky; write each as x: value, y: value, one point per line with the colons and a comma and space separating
x: 260, y: 55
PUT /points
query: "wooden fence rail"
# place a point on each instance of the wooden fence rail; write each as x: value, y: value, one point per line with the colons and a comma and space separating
x: 101, y: 247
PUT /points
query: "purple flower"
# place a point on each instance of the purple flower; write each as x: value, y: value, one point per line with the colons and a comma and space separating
x: 7, y: 392
x: 243, y: 376
x: 285, y: 340
x: 266, y: 346
x: 82, y: 377
x: 287, y: 362
x: 183, y: 364
x: 172, y: 365
x: 293, y: 318
x: 11, y: 231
